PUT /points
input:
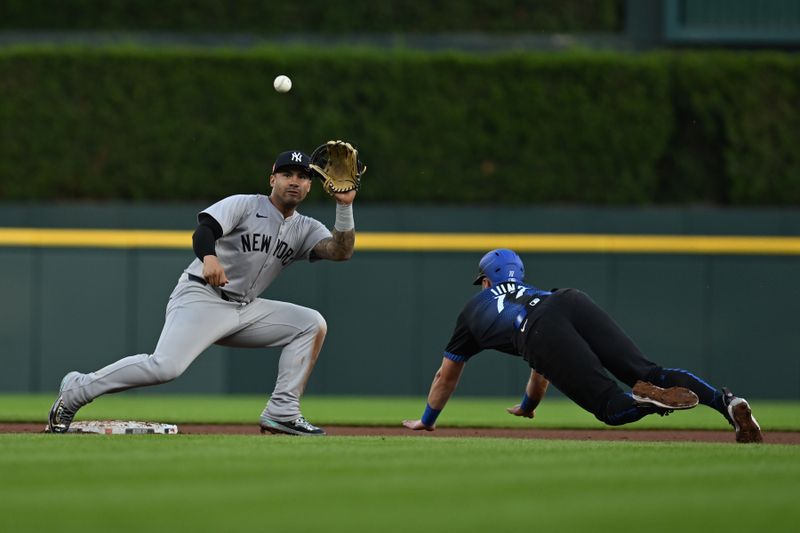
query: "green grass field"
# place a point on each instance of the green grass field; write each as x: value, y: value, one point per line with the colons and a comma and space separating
x: 252, y: 483
x: 376, y: 411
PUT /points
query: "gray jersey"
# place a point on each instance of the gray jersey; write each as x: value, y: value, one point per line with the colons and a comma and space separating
x: 257, y: 243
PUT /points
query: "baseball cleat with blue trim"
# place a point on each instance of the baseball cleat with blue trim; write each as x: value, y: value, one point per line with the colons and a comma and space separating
x: 672, y: 398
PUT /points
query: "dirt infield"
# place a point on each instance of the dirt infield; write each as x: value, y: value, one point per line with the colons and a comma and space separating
x: 770, y: 437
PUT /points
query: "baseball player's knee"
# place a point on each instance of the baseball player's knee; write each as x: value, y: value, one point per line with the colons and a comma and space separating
x: 165, y: 369
x: 623, y: 409
x: 318, y: 326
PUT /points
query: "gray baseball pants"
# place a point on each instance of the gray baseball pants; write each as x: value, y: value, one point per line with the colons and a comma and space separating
x: 198, y: 317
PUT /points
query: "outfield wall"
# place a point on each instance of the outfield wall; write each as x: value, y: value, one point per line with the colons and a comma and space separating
x: 689, y: 294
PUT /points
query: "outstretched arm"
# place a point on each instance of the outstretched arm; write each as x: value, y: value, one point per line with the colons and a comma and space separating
x: 534, y: 392
x: 339, y: 247
x: 444, y: 383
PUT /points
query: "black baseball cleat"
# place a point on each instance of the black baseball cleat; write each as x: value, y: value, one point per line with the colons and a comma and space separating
x: 741, y: 416
x: 671, y: 398
x: 298, y: 426
x: 60, y: 417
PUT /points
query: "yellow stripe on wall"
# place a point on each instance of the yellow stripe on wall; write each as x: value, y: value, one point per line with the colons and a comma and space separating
x: 580, y: 243
x: 94, y: 238
x: 431, y: 242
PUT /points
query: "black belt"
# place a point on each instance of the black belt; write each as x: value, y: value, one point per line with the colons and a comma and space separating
x: 203, y: 282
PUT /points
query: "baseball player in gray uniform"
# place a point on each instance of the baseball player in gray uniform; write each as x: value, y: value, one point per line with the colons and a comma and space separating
x: 242, y: 244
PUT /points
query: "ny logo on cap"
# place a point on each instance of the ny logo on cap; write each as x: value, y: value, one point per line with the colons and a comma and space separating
x: 297, y: 156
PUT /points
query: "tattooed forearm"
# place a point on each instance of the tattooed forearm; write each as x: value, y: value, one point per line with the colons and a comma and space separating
x: 339, y: 247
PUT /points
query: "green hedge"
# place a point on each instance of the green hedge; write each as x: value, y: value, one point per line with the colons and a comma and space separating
x: 739, y: 120
x: 314, y: 15
x: 519, y: 128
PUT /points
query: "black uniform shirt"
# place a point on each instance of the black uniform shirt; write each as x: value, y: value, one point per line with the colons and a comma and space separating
x: 491, y: 319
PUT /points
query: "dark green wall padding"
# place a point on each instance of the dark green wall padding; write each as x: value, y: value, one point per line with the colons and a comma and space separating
x: 730, y: 318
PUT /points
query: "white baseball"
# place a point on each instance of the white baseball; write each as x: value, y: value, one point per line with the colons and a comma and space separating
x: 282, y: 84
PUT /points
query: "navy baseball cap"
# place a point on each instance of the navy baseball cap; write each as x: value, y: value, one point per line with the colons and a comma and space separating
x: 500, y: 265
x: 291, y: 158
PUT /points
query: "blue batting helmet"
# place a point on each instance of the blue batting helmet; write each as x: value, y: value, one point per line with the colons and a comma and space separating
x: 500, y: 265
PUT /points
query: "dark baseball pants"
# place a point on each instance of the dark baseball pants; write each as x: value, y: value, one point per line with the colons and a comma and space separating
x: 574, y: 343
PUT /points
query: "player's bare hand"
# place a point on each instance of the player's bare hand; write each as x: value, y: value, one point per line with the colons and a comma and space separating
x: 517, y: 411
x: 213, y: 272
x: 417, y: 425
x: 345, y: 198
